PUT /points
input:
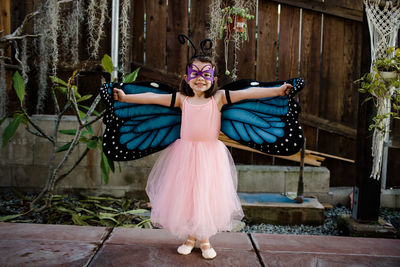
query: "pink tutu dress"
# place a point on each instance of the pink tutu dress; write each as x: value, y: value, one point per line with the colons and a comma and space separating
x: 192, y: 186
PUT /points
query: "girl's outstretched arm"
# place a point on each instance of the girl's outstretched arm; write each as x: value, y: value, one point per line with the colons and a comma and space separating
x: 258, y: 92
x: 146, y: 98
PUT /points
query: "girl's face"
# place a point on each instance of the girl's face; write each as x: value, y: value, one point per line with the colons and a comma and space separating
x: 200, y: 76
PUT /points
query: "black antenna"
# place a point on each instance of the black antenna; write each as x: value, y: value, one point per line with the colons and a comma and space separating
x: 181, y: 38
x: 205, y: 45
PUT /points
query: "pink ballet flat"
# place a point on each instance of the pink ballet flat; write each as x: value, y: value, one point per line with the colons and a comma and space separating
x: 207, y: 251
x: 186, y: 248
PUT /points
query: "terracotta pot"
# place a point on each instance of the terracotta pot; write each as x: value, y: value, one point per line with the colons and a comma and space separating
x: 237, y: 24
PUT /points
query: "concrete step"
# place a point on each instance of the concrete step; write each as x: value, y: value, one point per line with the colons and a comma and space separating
x: 281, y: 210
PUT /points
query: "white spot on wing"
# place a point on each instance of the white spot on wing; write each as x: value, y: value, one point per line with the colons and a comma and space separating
x: 156, y: 85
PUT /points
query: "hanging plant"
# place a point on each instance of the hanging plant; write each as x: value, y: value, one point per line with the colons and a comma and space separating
x: 383, y: 84
x: 232, y: 26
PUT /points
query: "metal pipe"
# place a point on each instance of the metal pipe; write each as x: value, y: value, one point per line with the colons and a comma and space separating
x: 114, y: 38
x: 300, y: 185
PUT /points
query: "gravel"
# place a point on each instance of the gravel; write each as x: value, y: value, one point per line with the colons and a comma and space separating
x: 328, y: 228
x: 10, y: 203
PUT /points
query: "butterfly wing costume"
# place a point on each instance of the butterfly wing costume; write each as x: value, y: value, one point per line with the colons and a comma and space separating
x: 269, y: 124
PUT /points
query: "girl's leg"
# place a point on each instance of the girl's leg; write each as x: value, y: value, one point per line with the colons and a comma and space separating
x: 207, y: 251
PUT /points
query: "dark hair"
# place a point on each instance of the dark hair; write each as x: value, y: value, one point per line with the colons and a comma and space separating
x: 185, y: 88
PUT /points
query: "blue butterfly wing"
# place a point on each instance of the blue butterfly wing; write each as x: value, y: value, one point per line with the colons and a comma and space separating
x: 136, y: 130
x: 269, y: 124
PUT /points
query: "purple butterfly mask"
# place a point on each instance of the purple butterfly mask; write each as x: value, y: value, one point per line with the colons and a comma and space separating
x: 194, y: 72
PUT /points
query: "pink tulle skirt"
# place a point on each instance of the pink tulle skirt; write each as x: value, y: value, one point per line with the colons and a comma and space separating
x: 192, y: 189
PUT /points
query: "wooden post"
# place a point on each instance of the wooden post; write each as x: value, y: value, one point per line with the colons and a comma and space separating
x: 366, y: 193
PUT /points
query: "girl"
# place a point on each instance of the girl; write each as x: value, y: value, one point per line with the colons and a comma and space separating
x: 192, y: 186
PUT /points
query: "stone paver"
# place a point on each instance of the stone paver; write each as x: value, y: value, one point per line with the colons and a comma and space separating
x: 48, y: 245
x: 286, y: 250
x: 145, y: 247
x: 65, y: 245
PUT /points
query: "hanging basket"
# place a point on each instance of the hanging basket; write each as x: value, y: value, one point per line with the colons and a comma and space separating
x: 388, y: 75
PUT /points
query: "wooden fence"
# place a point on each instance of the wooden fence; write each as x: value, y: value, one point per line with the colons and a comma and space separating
x: 318, y: 40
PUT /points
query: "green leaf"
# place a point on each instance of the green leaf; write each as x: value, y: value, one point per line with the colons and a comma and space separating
x: 81, y: 114
x: 136, y: 212
x: 64, y: 147
x: 83, y: 98
x: 2, y: 120
x: 107, y: 63
x: 10, y: 130
x: 10, y: 217
x: 62, y: 89
x: 75, y: 88
x: 90, y: 130
x: 92, y: 144
x: 100, y: 198
x: 87, y: 108
x: 105, y: 168
x: 106, y: 208
x: 108, y: 216
x: 62, y: 209
x: 19, y: 86
x: 111, y: 164
x: 68, y: 132
x: 57, y: 80
x: 79, y: 220
x: 131, y: 77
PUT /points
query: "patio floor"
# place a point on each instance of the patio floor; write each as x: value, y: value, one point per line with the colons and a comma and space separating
x: 23, y: 244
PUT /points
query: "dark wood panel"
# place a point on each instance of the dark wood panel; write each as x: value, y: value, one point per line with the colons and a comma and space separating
x: 267, y: 41
x: 342, y: 8
x: 311, y: 137
x: 310, y: 62
x: 155, y: 33
x: 331, y: 95
x: 247, y: 53
x: 199, y: 20
x: 393, y: 168
x: 138, y: 31
x: 342, y: 173
x: 288, y: 42
x: 177, y: 23
x: 352, y: 61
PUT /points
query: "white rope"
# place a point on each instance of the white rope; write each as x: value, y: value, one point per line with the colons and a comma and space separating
x: 383, y: 23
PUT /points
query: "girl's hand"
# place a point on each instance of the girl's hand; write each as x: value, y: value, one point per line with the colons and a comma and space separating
x: 119, y: 95
x: 284, y: 89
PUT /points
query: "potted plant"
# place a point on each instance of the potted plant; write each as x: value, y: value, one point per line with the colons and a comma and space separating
x: 383, y: 83
x: 232, y: 25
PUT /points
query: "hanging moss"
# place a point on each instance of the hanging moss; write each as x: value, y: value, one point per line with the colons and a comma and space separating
x: 124, y: 35
x: 3, y: 90
x: 96, y: 24
x: 24, y: 61
x: 73, y: 14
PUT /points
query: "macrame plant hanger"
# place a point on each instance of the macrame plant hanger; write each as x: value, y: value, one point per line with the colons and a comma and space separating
x: 383, y: 22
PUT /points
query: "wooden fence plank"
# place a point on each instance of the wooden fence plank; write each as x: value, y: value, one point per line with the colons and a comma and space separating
x: 155, y: 33
x: 177, y: 23
x: 352, y: 61
x: 288, y: 42
x: 341, y: 8
x: 247, y: 53
x: 138, y: 31
x: 267, y: 41
x: 310, y: 65
x: 310, y: 69
x: 331, y: 97
x: 199, y: 19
